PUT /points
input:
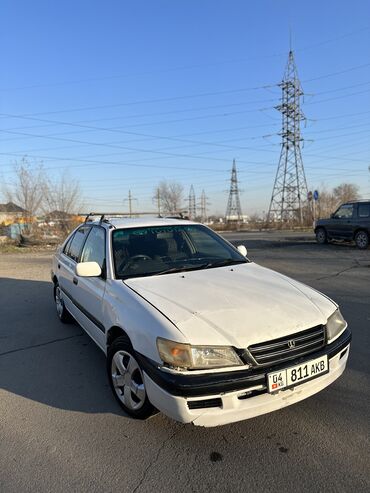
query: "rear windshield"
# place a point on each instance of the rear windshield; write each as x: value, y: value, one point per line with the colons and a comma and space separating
x: 165, y: 249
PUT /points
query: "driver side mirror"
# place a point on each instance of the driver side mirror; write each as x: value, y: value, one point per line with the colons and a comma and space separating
x: 332, y: 215
x: 88, y: 269
x: 242, y: 250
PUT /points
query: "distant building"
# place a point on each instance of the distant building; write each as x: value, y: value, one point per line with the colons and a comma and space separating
x: 11, y: 213
x: 234, y: 218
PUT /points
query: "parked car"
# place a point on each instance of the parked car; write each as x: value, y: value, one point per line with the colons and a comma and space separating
x: 190, y: 326
x: 350, y: 222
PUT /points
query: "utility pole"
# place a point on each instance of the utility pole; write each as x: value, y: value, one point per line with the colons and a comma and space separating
x: 233, y: 210
x: 130, y: 199
x: 158, y: 197
x: 289, y: 194
x: 192, y: 203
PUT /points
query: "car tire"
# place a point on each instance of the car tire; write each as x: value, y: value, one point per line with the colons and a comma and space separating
x: 126, y: 379
x: 321, y: 236
x: 362, y: 240
x: 63, y: 314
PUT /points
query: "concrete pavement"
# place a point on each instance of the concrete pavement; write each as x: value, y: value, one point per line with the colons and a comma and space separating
x: 61, y: 429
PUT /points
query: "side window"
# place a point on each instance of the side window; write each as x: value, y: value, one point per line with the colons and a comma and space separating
x: 77, y: 242
x: 363, y: 210
x: 344, y: 212
x: 67, y: 245
x: 94, y: 248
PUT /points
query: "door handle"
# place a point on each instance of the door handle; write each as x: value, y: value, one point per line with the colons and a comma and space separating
x: 75, y: 280
x: 58, y: 266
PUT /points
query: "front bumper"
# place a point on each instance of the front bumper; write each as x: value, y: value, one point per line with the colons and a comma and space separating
x: 236, y: 395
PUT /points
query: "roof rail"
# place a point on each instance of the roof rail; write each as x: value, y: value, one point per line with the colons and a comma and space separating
x: 105, y: 216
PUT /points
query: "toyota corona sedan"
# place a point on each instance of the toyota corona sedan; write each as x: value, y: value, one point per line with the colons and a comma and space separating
x: 190, y: 326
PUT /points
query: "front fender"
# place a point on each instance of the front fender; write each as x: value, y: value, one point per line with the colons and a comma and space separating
x: 140, y: 320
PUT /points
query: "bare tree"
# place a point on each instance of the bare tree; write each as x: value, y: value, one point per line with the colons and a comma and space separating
x: 170, y: 195
x: 26, y: 190
x: 346, y: 192
x: 329, y: 201
x: 62, y: 198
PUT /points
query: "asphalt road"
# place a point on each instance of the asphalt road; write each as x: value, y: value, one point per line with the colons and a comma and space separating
x: 61, y: 429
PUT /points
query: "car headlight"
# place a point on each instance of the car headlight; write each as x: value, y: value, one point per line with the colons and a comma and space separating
x: 335, y: 325
x: 196, y: 357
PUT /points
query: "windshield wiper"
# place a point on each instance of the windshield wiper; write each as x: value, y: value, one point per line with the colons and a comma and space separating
x: 222, y: 263
x: 206, y: 265
x: 181, y: 269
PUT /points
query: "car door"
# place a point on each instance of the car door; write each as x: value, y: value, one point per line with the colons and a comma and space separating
x: 340, y: 225
x: 363, y: 216
x: 89, y: 291
x: 67, y: 265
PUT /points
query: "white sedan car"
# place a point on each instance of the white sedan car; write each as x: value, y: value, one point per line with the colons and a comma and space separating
x: 190, y: 326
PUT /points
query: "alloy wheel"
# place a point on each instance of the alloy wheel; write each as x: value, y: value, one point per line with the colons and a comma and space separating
x: 321, y: 236
x: 59, y: 302
x: 362, y: 239
x: 128, y: 381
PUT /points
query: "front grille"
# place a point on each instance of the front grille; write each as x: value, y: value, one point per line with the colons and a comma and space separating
x: 289, y: 347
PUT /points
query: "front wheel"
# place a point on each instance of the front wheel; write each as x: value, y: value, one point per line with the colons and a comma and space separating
x: 321, y: 236
x: 362, y: 240
x: 127, y: 381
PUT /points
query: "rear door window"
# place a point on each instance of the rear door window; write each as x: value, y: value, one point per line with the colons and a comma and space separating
x: 364, y: 210
x: 67, y: 246
x: 77, y: 242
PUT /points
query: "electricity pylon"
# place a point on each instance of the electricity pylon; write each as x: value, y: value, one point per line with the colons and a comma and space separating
x: 289, y: 195
x: 192, y: 204
x: 233, y: 210
x: 203, y: 207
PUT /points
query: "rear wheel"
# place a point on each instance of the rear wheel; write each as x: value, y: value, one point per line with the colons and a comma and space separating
x: 321, y: 236
x: 62, y: 312
x: 362, y: 240
x: 126, y: 379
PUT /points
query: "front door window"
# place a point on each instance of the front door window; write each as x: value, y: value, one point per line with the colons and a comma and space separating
x: 344, y: 212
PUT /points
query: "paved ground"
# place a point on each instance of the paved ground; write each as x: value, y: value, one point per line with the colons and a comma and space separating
x: 61, y: 429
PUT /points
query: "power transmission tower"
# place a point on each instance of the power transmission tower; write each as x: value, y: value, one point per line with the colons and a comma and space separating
x: 234, y: 210
x: 203, y: 207
x: 289, y: 195
x: 192, y: 204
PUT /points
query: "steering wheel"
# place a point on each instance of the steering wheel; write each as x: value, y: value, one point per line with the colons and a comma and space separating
x: 133, y: 259
x: 139, y: 257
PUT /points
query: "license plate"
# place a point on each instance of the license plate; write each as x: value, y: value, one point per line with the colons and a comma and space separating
x: 295, y: 375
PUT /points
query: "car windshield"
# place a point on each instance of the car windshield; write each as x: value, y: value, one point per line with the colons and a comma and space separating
x: 161, y: 250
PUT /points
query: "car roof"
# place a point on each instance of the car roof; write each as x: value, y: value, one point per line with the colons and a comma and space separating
x: 360, y: 201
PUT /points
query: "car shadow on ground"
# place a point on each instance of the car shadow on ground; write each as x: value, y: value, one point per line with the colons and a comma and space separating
x: 47, y: 361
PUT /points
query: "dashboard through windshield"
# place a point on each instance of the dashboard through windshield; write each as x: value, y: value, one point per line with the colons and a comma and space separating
x: 157, y: 250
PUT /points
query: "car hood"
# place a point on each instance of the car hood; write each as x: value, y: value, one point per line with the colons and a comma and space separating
x: 239, y: 305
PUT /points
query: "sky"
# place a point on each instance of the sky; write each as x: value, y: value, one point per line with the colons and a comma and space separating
x: 121, y: 95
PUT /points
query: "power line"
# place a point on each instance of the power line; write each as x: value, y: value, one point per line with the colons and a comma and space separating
x: 78, y: 123
x: 152, y: 101
x: 191, y: 96
x: 187, y: 67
